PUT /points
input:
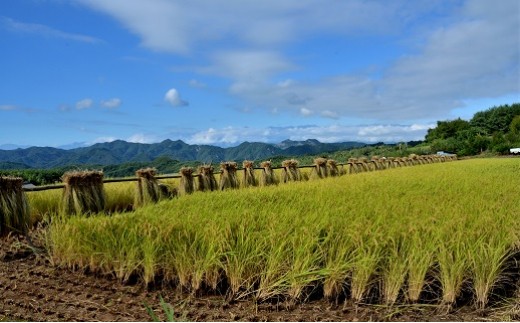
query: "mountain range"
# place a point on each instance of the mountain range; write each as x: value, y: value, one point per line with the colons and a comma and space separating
x: 119, y: 151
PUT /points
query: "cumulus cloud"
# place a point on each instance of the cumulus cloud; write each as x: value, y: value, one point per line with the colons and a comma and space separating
x: 113, y: 103
x: 305, y: 112
x: 459, y: 52
x: 387, y: 133
x: 84, y: 104
x: 174, y: 98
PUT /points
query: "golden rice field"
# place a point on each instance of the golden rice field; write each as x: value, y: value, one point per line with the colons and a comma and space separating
x: 430, y: 233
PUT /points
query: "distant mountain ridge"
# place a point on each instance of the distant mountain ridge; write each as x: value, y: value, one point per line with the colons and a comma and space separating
x: 119, y: 151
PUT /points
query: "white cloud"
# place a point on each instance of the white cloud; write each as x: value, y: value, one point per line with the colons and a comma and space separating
x: 7, y: 107
x: 387, y: 133
x: 176, y: 27
x: 174, y: 98
x: 196, y: 84
x: 142, y: 138
x: 458, y: 52
x: 103, y: 139
x: 305, y: 112
x: 46, y: 31
x: 113, y: 103
x: 84, y: 104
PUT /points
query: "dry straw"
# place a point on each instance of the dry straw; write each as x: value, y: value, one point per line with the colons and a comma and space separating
x: 320, y: 168
x: 267, y: 176
x: 83, y: 192
x: 207, y: 181
x: 148, y: 189
x: 290, y: 171
x: 228, y: 175
x: 333, y: 169
x: 187, y: 184
x: 249, y: 174
x: 14, y: 208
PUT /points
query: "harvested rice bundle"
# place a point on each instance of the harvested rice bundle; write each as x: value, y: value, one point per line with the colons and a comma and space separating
x: 290, y: 171
x: 249, y: 174
x: 363, y: 164
x: 207, y: 181
x: 228, y: 175
x: 83, y: 192
x: 148, y: 189
x: 14, y: 208
x: 332, y: 167
x: 351, y: 166
x: 320, y: 168
x: 186, y: 184
x: 375, y: 163
x: 267, y: 176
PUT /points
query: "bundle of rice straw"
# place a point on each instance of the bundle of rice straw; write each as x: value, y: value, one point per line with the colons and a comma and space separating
x: 320, y: 168
x: 207, y: 181
x: 249, y: 174
x: 148, y: 189
x: 333, y: 169
x: 187, y: 184
x: 83, y: 192
x: 267, y: 176
x: 290, y: 171
x: 228, y: 175
x: 14, y: 208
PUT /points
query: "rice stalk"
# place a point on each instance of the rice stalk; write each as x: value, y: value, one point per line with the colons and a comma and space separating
x: 186, y: 184
x: 228, y: 175
x: 83, y: 192
x: 267, y: 176
x: 290, y: 171
x: 148, y: 190
x: 15, y: 215
x: 207, y: 181
x: 249, y: 174
x: 320, y: 168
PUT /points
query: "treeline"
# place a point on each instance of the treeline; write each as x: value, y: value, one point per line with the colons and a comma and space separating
x: 495, y: 130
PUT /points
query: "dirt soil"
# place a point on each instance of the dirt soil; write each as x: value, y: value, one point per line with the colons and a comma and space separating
x: 31, y: 289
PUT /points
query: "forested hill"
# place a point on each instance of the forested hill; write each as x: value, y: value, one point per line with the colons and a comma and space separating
x: 494, y: 130
x: 119, y: 151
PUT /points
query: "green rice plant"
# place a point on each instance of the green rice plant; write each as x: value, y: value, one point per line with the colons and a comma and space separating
x: 14, y: 208
x: 394, y: 270
x: 420, y: 259
x: 347, y: 234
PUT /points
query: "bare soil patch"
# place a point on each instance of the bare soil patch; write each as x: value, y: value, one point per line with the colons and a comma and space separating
x: 32, y: 289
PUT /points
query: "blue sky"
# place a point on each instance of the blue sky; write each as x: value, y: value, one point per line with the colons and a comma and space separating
x: 223, y: 72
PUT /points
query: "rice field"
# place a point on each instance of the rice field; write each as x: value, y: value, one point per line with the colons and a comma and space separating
x: 440, y: 233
